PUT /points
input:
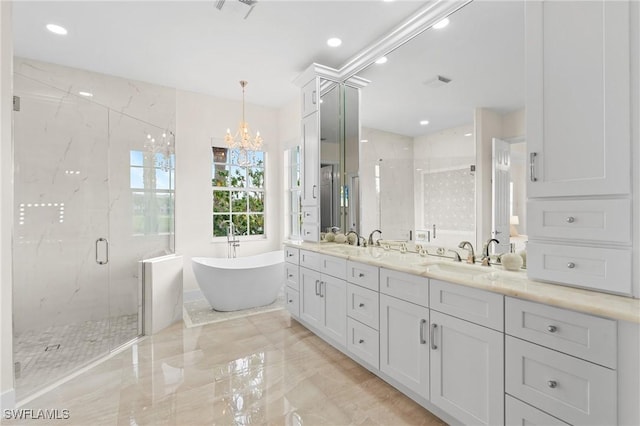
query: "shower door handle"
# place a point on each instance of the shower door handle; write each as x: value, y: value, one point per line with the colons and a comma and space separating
x: 106, y: 253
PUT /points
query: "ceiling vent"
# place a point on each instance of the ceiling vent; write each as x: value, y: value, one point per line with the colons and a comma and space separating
x: 437, y: 81
x: 241, y: 8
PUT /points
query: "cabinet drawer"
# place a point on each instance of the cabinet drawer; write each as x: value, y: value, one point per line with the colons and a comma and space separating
x: 480, y: 307
x: 291, y: 255
x: 364, y: 305
x: 292, y: 298
x: 334, y: 266
x: 310, y: 232
x: 595, y: 220
x: 363, y: 275
x: 591, y: 267
x: 310, y: 259
x: 291, y: 274
x: 517, y: 413
x: 569, y: 388
x: 310, y: 214
x: 407, y: 287
x: 364, y: 342
x: 581, y: 335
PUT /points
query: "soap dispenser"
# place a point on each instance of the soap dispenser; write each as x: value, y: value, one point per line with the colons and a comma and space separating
x: 511, y: 261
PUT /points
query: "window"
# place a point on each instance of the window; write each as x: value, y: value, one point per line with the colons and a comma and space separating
x: 152, y: 181
x: 294, y: 196
x: 238, y: 192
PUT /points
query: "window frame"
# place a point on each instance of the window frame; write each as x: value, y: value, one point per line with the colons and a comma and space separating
x: 247, y: 191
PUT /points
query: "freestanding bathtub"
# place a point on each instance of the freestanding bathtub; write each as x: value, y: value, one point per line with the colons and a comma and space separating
x: 241, y: 282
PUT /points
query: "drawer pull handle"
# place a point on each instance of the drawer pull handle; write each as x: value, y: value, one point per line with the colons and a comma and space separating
x: 423, y: 341
x: 571, y: 265
x: 552, y: 328
x: 361, y: 275
x: 571, y: 219
x: 290, y: 275
x: 361, y: 305
x: 532, y: 166
x: 552, y: 384
x: 361, y: 341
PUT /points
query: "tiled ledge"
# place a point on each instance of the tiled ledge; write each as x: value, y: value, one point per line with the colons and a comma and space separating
x: 495, y: 279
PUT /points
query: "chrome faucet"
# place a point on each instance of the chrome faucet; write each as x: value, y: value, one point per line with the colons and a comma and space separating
x: 485, y: 251
x: 232, y: 241
x: 456, y: 255
x: 357, y: 237
x: 377, y: 243
x: 471, y: 258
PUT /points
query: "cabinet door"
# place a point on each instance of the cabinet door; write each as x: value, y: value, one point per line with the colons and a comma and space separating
x: 311, y: 308
x: 310, y: 97
x: 404, y: 350
x: 333, y: 293
x: 467, y: 370
x: 311, y: 160
x: 578, y: 97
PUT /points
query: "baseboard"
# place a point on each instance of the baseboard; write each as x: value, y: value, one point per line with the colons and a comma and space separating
x: 8, y: 400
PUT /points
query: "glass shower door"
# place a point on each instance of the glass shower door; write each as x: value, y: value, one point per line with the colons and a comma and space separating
x: 61, y: 234
x: 141, y: 199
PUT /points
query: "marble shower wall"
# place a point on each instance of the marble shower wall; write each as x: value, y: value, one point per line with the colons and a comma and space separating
x: 446, y: 197
x: 387, y: 201
x: 72, y: 159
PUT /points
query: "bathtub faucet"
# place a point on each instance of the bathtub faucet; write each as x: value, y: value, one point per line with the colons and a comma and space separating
x: 232, y: 241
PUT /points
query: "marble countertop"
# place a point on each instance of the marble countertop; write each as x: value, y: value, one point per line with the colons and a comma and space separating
x: 492, y: 278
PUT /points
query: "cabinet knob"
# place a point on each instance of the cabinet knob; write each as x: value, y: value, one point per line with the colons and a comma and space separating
x: 361, y: 341
x: 571, y: 265
x: 571, y: 219
x: 290, y: 300
x: 361, y: 305
x: 290, y: 275
x: 552, y: 329
x: 361, y: 275
x: 552, y: 384
x: 290, y: 254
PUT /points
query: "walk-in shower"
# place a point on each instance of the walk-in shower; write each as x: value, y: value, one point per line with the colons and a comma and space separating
x: 94, y: 194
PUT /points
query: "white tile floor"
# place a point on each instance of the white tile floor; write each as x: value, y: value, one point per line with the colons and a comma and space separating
x: 50, y: 354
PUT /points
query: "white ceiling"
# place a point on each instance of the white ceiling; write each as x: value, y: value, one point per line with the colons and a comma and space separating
x: 193, y: 46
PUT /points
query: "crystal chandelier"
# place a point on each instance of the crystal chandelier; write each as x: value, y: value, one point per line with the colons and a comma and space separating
x: 243, y: 141
x: 161, y: 150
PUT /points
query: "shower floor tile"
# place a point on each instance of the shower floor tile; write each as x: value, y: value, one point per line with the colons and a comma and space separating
x: 45, y: 356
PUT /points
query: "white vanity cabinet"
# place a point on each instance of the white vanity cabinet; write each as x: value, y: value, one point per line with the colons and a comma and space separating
x: 579, y: 143
x: 562, y: 362
x: 323, y: 297
x: 467, y: 357
x: 292, y: 280
x: 363, y: 309
x: 404, y: 330
x: 578, y: 97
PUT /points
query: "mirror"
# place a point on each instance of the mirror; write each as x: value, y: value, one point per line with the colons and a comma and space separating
x: 428, y: 119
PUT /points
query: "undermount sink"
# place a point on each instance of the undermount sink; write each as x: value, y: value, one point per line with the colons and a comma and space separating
x: 459, y: 268
x: 347, y: 250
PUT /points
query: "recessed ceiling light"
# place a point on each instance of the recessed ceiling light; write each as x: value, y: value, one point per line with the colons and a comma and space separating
x: 334, y: 42
x: 424, y: 122
x: 382, y: 60
x: 387, y: 1
x: 468, y: 134
x: 86, y: 94
x: 57, y: 29
x: 441, y: 24
x: 364, y: 140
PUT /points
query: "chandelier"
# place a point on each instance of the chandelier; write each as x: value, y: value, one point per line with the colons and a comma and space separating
x: 243, y: 141
x: 161, y: 150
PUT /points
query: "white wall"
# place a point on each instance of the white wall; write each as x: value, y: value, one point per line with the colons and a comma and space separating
x: 199, y: 118
x: 7, y: 394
